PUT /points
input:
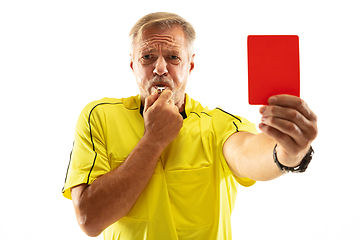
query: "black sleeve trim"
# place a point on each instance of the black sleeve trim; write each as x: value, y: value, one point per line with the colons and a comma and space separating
x: 67, y: 170
x: 237, y: 129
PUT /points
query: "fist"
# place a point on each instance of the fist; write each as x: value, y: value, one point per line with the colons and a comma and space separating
x: 162, y: 118
x: 291, y: 123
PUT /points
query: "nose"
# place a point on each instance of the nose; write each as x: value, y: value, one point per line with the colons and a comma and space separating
x: 160, y: 66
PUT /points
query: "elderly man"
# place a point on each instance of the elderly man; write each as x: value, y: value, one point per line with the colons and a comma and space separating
x: 161, y: 166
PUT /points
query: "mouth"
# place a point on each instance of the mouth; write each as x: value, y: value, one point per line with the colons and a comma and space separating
x: 159, y: 88
x: 159, y: 84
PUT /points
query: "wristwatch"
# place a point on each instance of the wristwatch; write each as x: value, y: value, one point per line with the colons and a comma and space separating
x: 298, y: 169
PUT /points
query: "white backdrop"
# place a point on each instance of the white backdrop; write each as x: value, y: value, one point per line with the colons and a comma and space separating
x: 56, y: 56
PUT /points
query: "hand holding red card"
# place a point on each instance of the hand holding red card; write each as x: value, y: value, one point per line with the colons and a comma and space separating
x: 273, y: 67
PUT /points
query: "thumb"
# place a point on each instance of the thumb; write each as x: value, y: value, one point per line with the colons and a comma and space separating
x: 149, y: 101
x: 166, y: 96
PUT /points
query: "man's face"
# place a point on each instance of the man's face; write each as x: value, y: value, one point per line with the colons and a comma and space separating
x: 160, y: 58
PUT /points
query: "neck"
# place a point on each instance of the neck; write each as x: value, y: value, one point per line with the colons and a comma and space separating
x: 181, y: 104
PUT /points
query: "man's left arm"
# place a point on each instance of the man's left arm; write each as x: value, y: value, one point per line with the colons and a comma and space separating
x: 288, y: 122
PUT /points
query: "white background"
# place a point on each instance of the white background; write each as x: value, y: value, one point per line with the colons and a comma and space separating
x: 57, y: 56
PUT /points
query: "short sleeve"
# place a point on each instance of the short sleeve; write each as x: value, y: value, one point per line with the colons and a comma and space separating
x: 228, y: 124
x: 88, y: 159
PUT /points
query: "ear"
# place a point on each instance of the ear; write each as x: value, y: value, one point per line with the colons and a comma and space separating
x: 192, y: 64
x: 131, y: 63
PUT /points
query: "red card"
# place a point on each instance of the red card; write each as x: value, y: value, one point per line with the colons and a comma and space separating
x: 273, y: 67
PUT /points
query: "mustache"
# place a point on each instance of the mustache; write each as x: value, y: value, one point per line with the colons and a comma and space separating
x: 157, y: 80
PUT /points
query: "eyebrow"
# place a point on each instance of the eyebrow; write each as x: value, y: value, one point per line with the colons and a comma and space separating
x: 171, y: 51
x: 146, y: 50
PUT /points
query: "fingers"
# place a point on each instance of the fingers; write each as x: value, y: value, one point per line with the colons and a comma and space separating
x: 283, y: 117
x: 286, y: 133
x: 293, y: 102
x: 149, y: 101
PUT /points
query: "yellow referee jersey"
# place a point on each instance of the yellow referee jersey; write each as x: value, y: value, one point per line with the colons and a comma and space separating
x: 192, y: 192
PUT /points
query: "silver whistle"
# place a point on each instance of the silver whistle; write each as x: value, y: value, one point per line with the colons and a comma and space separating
x: 160, y: 90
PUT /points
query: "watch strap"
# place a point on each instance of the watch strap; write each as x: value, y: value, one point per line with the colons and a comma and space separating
x: 298, y: 169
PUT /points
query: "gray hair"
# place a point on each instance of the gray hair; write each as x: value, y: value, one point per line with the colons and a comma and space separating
x: 163, y: 20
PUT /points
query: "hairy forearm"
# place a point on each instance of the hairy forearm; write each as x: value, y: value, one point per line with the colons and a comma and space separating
x: 110, y: 197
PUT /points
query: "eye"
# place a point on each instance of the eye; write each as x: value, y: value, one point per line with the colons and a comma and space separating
x: 174, y: 57
x: 146, y: 57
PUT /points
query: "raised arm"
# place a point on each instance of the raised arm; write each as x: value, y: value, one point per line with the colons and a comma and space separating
x: 111, y: 196
x: 287, y: 121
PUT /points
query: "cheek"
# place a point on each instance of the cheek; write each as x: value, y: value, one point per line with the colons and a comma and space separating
x: 142, y: 74
x: 180, y: 79
x: 179, y: 75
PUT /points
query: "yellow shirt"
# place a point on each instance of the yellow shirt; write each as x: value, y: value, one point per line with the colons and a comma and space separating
x: 192, y: 192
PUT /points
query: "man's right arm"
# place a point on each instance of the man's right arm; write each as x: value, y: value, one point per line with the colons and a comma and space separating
x: 111, y: 196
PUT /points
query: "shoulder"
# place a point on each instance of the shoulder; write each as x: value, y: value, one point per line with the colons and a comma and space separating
x: 193, y: 106
x: 223, y: 120
x: 222, y: 116
x: 219, y: 118
x: 107, y: 107
x: 130, y: 103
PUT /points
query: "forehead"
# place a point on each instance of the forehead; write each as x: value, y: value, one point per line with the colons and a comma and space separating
x: 170, y: 39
